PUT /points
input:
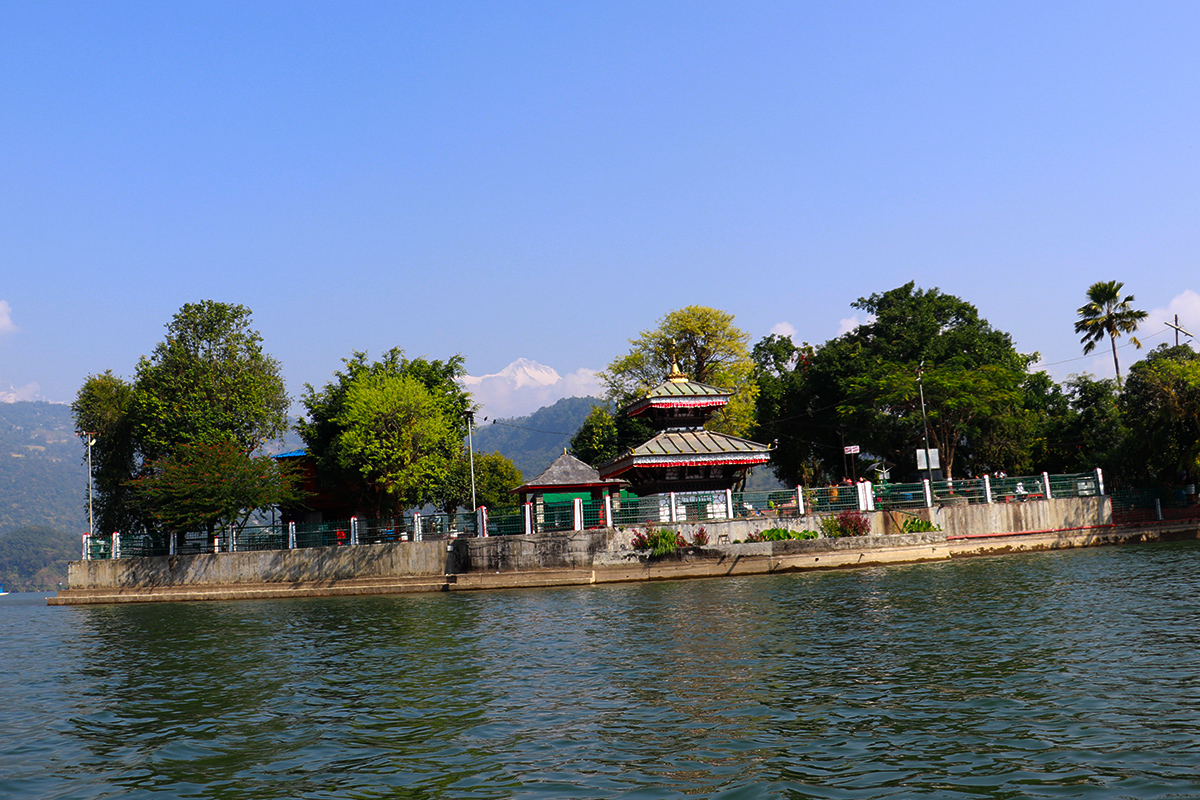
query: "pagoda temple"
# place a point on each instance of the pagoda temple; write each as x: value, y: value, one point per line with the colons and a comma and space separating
x: 683, y: 457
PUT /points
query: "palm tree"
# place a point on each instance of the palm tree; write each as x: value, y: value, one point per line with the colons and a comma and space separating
x: 1108, y: 314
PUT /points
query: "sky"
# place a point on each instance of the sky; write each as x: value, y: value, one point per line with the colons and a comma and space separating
x: 546, y: 180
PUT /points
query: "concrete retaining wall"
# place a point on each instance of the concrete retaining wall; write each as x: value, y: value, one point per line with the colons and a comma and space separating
x: 403, y: 559
x: 597, y: 556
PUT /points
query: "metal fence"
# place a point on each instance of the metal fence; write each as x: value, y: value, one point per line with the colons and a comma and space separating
x: 676, y: 507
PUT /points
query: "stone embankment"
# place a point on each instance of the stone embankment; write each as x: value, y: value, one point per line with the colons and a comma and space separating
x: 602, y: 556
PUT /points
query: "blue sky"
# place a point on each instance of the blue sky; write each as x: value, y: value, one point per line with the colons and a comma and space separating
x: 543, y: 181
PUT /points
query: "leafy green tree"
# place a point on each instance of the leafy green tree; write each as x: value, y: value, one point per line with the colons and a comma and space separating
x: 495, y: 477
x: 103, y: 411
x: 708, y: 347
x: 1161, y: 405
x: 208, y: 381
x: 397, y: 437
x: 213, y: 486
x: 327, y: 423
x: 861, y: 388
x: 1107, y: 314
x: 596, y: 440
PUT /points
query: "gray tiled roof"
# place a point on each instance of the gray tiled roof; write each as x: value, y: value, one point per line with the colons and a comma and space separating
x: 671, y: 447
x: 565, y: 471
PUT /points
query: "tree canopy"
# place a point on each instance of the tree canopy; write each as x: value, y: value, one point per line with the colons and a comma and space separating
x: 208, y: 388
x: 389, y: 431
x: 708, y: 347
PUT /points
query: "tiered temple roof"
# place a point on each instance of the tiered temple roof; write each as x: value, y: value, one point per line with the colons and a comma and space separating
x: 683, y: 456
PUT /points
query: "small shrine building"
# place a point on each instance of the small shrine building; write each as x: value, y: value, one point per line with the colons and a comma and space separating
x: 683, y: 457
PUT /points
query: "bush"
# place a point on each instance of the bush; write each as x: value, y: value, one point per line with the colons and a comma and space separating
x: 659, y: 541
x: 700, y: 537
x: 639, y: 541
x: 852, y: 523
x: 847, y: 523
x: 918, y: 525
x: 781, y: 535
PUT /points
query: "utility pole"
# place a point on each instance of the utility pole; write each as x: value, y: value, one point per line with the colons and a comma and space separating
x: 471, y: 456
x: 91, y: 440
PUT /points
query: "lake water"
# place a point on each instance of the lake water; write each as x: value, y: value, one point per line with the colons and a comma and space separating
x: 1072, y: 674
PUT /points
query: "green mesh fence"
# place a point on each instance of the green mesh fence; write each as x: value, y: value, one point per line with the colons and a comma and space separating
x: 899, y: 495
x: 506, y: 523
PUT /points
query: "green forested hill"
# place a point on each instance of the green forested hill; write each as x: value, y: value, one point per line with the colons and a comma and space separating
x: 35, y: 557
x: 533, y: 442
x: 43, y: 480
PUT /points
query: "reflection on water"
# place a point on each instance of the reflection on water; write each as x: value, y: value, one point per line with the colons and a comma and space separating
x: 1062, y: 674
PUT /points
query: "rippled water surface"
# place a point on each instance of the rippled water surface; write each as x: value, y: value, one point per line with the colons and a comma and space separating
x: 1068, y: 674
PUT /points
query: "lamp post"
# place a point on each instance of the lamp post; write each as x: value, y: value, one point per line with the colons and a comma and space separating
x: 91, y: 440
x: 471, y: 457
x: 924, y: 418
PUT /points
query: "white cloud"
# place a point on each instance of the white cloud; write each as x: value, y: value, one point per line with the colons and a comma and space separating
x: 784, y: 329
x: 524, y: 386
x: 6, y: 323
x: 850, y: 323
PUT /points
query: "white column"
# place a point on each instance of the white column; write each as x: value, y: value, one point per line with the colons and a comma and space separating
x: 869, y: 491
x: 87, y: 547
x: 481, y: 521
x: 800, y: 501
x: 354, y: 530
x: 216, y: 542
x: 291, y: 536
x: 1099, y: 481
x: 729, y: 504
x: 416, y: 527
x: 116, y: 542
x: 671, y: 508
x: 987, y: 489
x: 928, y: 493
x: 232, y: 539
x: 608, y: 517
x: 1157, y: 510
x: 577, y: 514
x: 1046, y: 485
x: 528, y: 510
x: 171, y: 543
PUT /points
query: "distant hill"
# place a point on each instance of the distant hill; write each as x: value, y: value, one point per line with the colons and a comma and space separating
x: 43, y: 480
x: 34, y: 558
x: 534, y: 441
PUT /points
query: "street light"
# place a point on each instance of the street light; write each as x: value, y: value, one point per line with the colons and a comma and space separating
x: 471, y: 457
x: 91, y: 440
x: 924, y: 419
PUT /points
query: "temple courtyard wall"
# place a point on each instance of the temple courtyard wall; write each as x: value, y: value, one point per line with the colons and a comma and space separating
x: 604, y: 555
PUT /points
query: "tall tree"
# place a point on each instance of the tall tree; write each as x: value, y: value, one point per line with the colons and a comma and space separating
x: 209, y: 380
x: 1161, y: 407
x: 355, y: 450
x: 209, y: 383
x: 861, y: 388
x: 708, y: 347
x: 1108, y: 314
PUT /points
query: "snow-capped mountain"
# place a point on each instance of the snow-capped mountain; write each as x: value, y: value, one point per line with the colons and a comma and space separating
x: 525, y: 386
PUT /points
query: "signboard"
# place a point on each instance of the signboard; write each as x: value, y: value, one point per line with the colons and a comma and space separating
x: 850, y: 449
x: 933, y: 456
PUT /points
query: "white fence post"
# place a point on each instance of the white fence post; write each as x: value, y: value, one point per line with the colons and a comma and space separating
x: 1046, y: 485
x: 1099, y: 482
x: 216, y: 542
x: 577, y: 514
x: 799, y: 501
x: 671, y: 508
x: 528, y: 513
x: 232, y: 539
x: 481, y: 521
x: 869, y: 490
x: 354, y: 530
x: 171, y: 543
x: 417, y: 527
x: 987, y: 488
x: 1157, y: 509
x: 87, y: 547
x: 608, y: 518
x: 116, y: 542
x: 291, y: 536
x: 928, y: 493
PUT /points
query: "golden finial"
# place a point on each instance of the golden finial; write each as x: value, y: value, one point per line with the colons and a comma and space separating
x: 675, y: 376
